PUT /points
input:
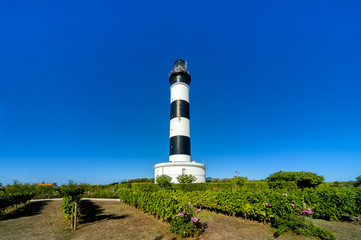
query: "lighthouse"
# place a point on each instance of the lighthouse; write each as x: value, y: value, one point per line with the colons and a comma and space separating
x: 179, y: 129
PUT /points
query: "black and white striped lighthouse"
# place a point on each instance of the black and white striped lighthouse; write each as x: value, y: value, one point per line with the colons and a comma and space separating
x: 179, y: 134
x: 179, y: 131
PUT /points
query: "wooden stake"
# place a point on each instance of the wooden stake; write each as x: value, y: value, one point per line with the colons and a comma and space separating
x: 76, y: 216
x: 72, y: 217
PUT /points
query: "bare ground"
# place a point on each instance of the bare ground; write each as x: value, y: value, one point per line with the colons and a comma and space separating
x: 114, y: 220
x: 35, y: 220
x: 342, y: 230
x: 225, y: 227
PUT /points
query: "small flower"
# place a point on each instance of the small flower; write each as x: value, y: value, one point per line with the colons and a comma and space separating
x: 292, y: 205
x: 194, y: 219
x: 308, y: 211
x: 180, y: 214
x: 189, y: 203
x: 296, y: 209
x: 198, y: 210
x: 285, y: 194
x: 268, y: 204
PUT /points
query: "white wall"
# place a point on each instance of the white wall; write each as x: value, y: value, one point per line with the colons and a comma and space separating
x: 174, y: 170
x: 179, y: 126
x: 179, y: 91
x: 179, y: 158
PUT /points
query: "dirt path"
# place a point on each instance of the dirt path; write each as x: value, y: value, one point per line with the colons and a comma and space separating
x: 35, y: 220
x: 342, y: 230
x: 113, y: 220
x: 225, y: 227
x: 102, y: 220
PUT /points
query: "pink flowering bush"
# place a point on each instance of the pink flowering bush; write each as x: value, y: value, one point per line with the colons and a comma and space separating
x: 186, y: 223
x: 307, y: 211
x: 287, y: 216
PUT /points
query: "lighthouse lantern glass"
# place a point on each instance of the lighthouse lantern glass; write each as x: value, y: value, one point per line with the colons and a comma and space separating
x: 180, y: 65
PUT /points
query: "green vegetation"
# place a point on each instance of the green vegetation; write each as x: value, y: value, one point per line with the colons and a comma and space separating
x: 185, y: 178
x: 284, y: 209
x: 238, y: 182
x: 100, y: 191
x: 187, y: 223
x: 71, y: 194
x: 302, y: 179
x: 138, y: 180
x: 15, y: 194
x: 358, y: 181
x: 287, y: 200
x: 164, y: 181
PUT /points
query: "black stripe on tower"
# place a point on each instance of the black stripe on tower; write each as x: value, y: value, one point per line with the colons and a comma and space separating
x: 180, y: 145
x: 179, y: 108
x: 177, y: 77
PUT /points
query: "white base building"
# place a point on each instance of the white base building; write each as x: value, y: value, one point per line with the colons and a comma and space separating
x: 174, y: 169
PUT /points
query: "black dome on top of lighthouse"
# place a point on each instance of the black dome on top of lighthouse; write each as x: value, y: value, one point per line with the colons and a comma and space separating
x: 180, y: 61
x: 180, y: 73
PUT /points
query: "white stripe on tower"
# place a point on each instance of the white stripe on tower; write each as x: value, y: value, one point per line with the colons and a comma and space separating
x: 179, y: 134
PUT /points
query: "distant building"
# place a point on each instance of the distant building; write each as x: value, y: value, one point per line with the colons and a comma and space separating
x: 48, y: 184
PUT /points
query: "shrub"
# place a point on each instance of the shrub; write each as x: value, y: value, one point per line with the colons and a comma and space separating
x: 100, y: 191
x: 140, y: 180
x: 145, y: 186
x: 71, y: 193
x: 256, y: 185
x: 189, y: 187
x: 216, y: 180
x: 283, y: 184
x: 358, y: 181
x: 162, y: 203
x: 185, y: 178
x: 187, y: 224
x: 164, y: 181
x: 330, y: 203
x: 303, y: 179
x: 238, y: 182
x: 15, y: 194
x: 300, y: 225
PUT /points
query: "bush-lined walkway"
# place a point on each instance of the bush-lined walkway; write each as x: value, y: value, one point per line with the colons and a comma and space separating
x: 114, y: 220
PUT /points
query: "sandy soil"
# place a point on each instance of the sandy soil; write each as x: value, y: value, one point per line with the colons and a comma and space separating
x: 113, y: 220
x: 342, y: 230
x: 36, y: 220
x: 226, y: 227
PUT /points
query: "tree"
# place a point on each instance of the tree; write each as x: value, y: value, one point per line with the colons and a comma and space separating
x: 358, y: 181
x: 164, y: 181
x: 302, y: 179
x: 184, y: 178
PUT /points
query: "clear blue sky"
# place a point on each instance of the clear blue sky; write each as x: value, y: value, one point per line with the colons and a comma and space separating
x: 84, y: 92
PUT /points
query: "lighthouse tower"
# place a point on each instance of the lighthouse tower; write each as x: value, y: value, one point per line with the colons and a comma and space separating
x: 179, y: 131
